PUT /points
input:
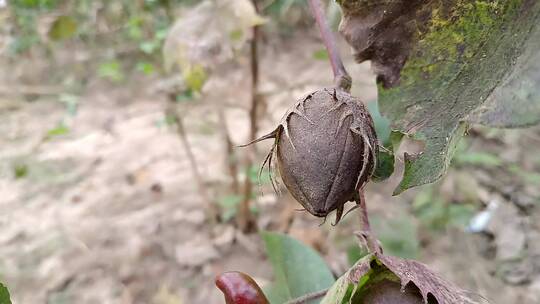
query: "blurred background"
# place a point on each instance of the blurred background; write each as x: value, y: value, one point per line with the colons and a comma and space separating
x: 121, y: 180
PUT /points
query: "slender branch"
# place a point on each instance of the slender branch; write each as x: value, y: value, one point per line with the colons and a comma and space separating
x: 232, y: 161
x: 254, y: 59
x: 245, y: 220
x: 365, y: 235
x: 364, y: 219
x: 172, y: 112
x: 341, y: 77
x: 308, y: 297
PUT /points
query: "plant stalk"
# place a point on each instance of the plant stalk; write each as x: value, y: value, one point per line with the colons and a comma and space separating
x: 341, y: 77
x: 244, y: 218
x: 366, y: 235
x: 308, y: 297
x: 211, y: 210
x: 231, y: 161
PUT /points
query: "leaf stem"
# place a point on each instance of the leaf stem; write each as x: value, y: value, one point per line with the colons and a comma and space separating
x: 365, y: 235
x: 245, y: 220
x: 341, y: 77
x: 308, y: 297
x: 172, y: 112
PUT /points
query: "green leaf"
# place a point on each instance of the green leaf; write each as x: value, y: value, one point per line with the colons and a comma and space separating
x: 111, y: 70
x: 20, y: 170
x: 321, y: 54
x: 4, y: 295
x: 298, y: 269
x: 64, y: 27
x: 60, y: 129
x: 468, y: 62
x: 397, y: 235
x: 388, y: 139
x: 195, y: 77
x: 478, y: 159
x: 185, y: 96
x: 149, y: 47
x: 71, y: 102
x: 387, y: 279
x: 340, y: 292
x: 255, y: 178
x: 229, y: 205
x: 145, y: 68
x: 385, y: 166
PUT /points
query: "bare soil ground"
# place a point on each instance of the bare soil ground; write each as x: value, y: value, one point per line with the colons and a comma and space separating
x: 110, y: 213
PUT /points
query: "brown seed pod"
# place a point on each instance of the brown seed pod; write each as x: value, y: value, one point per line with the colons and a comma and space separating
x: 326, y: 150
x: 390, y: 292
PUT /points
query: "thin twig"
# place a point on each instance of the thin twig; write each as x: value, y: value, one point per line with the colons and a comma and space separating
x: 232, y: 161
x: 341, y: 77
x: 364, y: 220
x: 308, y: 297
x: 172, y: 112
x: 254, y: 59
x: 245, y: 219
x: 366, y: 236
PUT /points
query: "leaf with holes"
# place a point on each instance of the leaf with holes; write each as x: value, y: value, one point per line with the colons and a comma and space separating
x: 444, y: 64
x: 379, y: 279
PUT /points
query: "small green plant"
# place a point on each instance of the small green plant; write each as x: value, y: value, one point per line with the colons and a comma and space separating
x: 4, y: 295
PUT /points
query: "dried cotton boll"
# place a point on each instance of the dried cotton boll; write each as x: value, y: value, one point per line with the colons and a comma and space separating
x: 326, y: 150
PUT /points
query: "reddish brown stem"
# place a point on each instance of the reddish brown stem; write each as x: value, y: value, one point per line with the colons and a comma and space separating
x: 254, y: 59
x: 231, y: 161
x: 341, y: 77
x: 245, y: 219
x: 309, y: 297
x: 365, y: 234
x: 363, y: 211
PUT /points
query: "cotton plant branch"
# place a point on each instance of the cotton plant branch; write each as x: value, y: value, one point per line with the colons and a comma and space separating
x: 343, y: 80
x: 341, y: 77
x: 244, y: 218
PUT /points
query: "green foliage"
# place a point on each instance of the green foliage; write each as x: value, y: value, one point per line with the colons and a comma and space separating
x: 468, y: 158
x: 437, y: 214
x: 321, y: 54
x: 111, y: 70
x: 355, y: 253
x: 35, y: 4
x: 470, y: 62
x: 298, y: 269
x: 344, y: 291
x: 4, y: 295
x: 389, y: 141
x: 60, y: 129
x: 281, y: 8
x: 229, y: 206
x: 64, y: 27
x: 531, y: 178
x: 255, y: 178
x: 194, y: 77
x: 145, y: 67
x: 71, y: 102
x: 185, y: 96
x: 397, y: 235
x: 20, y: 170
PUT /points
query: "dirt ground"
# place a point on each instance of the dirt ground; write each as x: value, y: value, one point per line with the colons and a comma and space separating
x: 110, y: 212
